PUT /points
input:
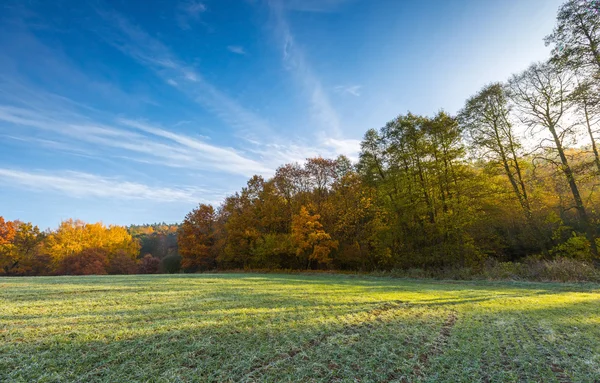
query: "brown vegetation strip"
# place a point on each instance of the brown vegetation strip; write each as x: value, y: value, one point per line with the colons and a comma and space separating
x: 504, y: 358
x: 437, y: 348
x: 347, y: 330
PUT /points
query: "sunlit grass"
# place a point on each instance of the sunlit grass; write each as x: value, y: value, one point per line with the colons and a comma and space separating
x: 239, y: 327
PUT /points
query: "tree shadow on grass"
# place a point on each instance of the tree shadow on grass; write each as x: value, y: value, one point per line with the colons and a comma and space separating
x: 231, y: 351
x: 192, y: 339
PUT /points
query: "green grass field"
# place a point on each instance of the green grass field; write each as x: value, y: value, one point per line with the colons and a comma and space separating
x: 251, y: 327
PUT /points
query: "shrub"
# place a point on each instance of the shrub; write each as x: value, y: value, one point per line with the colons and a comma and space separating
x: 122, y: 264
x: 39, y: 264
x: 149, y: 265
x: 559, y: 270
x: 494, y: 270
x: 576, y: 247
x: 90, y: 261
x: 171, y: 264
x: 532, y: 269
x: 272, y: 250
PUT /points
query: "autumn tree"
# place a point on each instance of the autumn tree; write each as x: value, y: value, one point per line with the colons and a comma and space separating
x: 313, y: 244
x: 541, y: 95
x: 486, y: 119
x: 148, y: 265
x: 196, y: 239
x: 322, y: 173
x: 241, y: 230
x: 361, y: 225
x: 7, y: 234
x: 291, y: 184
x: 417, y: 165
x: 158, y: 239
x: 89, y: 261
x: 121, y: 263
x: 74, y: 236
x: 7, y: 231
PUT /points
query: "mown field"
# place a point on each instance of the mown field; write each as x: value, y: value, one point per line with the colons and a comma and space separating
x: 271, y: 328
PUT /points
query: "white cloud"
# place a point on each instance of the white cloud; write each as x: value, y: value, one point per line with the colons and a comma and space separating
x: 276, y: 154
x: 68, y: 126
x: 193, y: 8
x: 216, y: 154
x: 190, y: 76
x: 347, y: 147
x: 189, y: 11
x: 81, y: 185
x: 147, y: 144
x: 152, y: 53
x: 237, y: 49
x: 148, y: 51
x: 295, y: 61
x: 353, y: 90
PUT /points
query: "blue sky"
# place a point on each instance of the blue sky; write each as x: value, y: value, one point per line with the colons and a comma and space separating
x: 134, y: 112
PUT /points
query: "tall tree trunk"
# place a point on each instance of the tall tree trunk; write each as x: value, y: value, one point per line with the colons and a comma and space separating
x: 426, y: 196
x: 519, y: 175
x: 589, y: 129
x: 518, y: 191
x: 566, y: 168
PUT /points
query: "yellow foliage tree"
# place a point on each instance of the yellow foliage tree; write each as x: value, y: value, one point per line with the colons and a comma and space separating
x: 74, y: 236
x: 312, y: 243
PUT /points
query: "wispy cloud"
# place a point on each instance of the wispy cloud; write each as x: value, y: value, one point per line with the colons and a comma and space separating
x: 147, y: 143
x: 85, y: 185
x: 193, y: 8
x: 214, y: 154
x: 275, y: 154
x: 237, y: 49
x: 296, y: 62
x: 353, y: 90
x: 189, y: 11
x: 134, y: 42
x: 349, y: 147
x: 61, y: 124
x: 45, y: 143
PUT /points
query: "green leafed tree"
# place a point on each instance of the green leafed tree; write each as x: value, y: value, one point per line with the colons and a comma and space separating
x: 576, y: 37
x: 541, y: 96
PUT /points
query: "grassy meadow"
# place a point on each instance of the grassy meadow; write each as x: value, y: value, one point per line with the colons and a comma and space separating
x: 272, y: 328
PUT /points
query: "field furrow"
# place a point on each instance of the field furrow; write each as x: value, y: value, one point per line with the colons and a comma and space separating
x: 295, y: 328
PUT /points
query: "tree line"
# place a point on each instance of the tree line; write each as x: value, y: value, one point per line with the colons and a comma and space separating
x: 79, y: 248
x: 512, y: 176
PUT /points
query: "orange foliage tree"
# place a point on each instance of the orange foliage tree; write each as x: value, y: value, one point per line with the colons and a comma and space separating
x: 313, y: 244
x: 7, y: 235
x: 90, y: 261
x: 196, y: 239
x: 149, y: 265
x: 122, y: 263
